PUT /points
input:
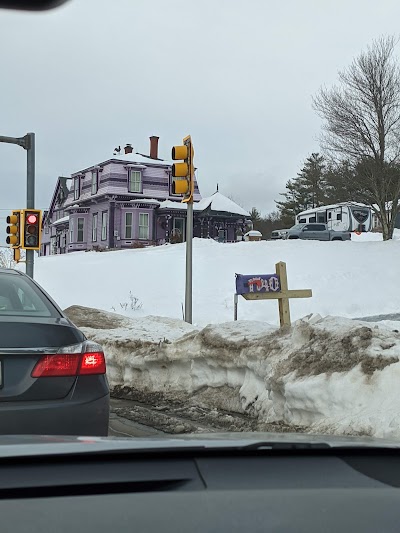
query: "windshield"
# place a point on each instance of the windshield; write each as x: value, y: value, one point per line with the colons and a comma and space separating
x: 166, y: 147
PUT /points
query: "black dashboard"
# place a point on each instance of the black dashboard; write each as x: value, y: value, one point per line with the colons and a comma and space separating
x: 200, y: 491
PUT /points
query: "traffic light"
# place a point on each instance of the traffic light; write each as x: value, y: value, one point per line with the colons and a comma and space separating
x: 32, y: 219
x: 14, y: 229
x: 183, y: 173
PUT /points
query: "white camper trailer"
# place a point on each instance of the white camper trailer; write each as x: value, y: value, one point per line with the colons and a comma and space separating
x: 346, y: 216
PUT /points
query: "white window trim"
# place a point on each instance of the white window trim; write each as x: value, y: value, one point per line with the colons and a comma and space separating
x: 83, y: 230
x: 104, y: 226
x: 126, y: 226
x: 76, y: 188
x: 94, y: 227
x: 144, y: 226
x: 95, y: 183
x: 136, y: 182
x: 71, y: 230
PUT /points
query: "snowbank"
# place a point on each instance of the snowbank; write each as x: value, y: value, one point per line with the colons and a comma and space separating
x: 330, y: 375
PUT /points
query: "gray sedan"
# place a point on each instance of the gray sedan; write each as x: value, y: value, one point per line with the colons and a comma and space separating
x: 52, y: 379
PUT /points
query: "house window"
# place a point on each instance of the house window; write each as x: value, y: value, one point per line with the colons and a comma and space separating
x: 222, y: 235
x: 46, y: 229
x: 76, y: 188
x: 71, y: 230
x: 128, y: 225
x: 94, y: 181
x: 135, y: 181
x: 94, y: 228
x: 80, y: 229
x: 143, y: 225
x: 104, y: 224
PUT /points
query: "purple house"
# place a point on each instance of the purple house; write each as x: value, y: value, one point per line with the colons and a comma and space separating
x: 128, y: 202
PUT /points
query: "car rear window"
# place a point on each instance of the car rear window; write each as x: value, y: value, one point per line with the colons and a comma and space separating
x: 20, y: 297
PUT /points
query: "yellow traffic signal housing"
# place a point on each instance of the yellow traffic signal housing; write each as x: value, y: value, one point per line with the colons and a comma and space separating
x: 13, y: 229
x: 17, y: 255
x: 31, y: 229
x: 183, y: 172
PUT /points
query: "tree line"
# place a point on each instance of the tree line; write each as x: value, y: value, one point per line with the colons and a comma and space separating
x: 360, y: 144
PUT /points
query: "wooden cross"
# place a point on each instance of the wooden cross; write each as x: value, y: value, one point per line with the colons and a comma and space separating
x: 282, y: 296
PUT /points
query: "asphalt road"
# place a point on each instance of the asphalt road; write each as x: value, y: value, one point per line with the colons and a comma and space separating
x: 122, y: 427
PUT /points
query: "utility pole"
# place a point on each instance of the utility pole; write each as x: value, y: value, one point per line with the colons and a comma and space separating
x: 189, y: 264
x: 27, y: 143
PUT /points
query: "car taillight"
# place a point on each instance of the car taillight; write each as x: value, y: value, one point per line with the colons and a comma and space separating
x: 70, y: 364
x: 93, y: 363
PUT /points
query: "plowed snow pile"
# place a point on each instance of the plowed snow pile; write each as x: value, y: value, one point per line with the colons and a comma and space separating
x: 330, y: 375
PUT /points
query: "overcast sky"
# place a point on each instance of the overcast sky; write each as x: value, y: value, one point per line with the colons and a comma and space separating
x: 238, y: 75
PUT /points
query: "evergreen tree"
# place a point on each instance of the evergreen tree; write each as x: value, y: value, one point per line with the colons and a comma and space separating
x: 311, y: 181
x: 255, y: 215
x: 307, y: 190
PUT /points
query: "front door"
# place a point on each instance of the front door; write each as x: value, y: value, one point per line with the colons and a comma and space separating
x: 179, y: 229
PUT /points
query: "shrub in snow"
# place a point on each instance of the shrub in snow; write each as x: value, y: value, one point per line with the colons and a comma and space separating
x: 133, y: 303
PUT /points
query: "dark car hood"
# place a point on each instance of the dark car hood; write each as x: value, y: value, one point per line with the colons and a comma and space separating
x: 27, y: 445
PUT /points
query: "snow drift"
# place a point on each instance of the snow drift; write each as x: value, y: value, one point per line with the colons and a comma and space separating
x: 329, y: 375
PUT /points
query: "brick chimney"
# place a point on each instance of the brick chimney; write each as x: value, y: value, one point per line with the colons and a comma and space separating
x: 154, y: 147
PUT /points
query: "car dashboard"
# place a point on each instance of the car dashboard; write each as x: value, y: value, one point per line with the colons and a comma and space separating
x: 200, y: 490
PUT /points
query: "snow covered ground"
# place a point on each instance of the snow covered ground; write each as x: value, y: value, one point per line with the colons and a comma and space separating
x: 326, y: 374
x: 349, y: 279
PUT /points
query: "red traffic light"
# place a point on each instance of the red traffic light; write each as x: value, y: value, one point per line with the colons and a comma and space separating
x: 32, y: 219
x: 31, y: 229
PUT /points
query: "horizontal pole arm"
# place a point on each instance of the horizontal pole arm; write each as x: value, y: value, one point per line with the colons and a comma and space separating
x: 301, y: 293
x: 20, y: 141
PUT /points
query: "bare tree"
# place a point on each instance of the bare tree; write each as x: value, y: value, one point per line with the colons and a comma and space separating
x: 362, y: 126
x: 7, y: 258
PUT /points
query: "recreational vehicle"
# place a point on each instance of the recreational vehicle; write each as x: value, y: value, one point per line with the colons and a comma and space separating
x: 346, y: 216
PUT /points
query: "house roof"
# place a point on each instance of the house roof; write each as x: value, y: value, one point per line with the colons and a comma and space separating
x: 62, y: 220
x: 216, y: 202
x: 128, y: 159
x: 150, y: 201
x: 61, y: 184
x: 219, y: 202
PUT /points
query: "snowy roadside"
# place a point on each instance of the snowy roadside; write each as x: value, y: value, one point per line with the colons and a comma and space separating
x: 330, y: 375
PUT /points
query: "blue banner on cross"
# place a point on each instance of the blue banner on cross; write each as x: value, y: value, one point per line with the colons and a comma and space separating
x: 269, y: 287
x: 257, y: 283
